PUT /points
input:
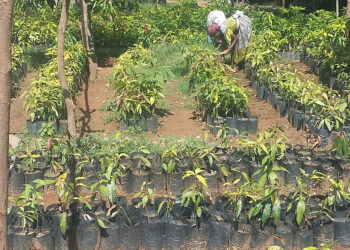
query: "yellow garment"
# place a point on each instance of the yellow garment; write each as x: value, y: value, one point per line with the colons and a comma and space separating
x: 236, y: 56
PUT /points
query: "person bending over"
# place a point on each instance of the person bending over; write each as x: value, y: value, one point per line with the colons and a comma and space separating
x: 236, y: 33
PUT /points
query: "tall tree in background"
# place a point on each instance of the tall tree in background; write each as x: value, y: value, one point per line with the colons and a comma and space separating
x: 72, y: 129
x: 87, y: 39
x: 348, y: 21
x: 6, y: 11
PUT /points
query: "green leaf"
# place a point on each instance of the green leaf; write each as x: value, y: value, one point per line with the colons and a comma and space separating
x: 272, y: 177
x: 152, y: 100
x: 328, y: 125
x: 199, y: 211
x: 101, y: 223
x: 63, y: 223
x: 276, y: 211
x: 161, y: 206
x: 265, y: 159
x: 202, y: 180
x: 111, y: 192
x: 264, y: 148
x: 239, y: 208
x: 257, y: 208
x: 300, y: 211
x: 262, y: 180
x: 251, y: 212
x: 146, y: 161
x: 210, y: 158
x: 266, y: 213
x: 40, y: 183
x: 224, y: 171
x: 103, y: 190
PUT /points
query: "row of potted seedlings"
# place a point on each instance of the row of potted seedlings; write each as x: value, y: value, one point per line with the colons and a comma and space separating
x: 137, y: 90
x: 306, y: 105
x: 322, y: 110
x: 316, y: 68
x: 44, y: 101
x: 223, y: 103
x: 320, y: 36
x: 270, y: 191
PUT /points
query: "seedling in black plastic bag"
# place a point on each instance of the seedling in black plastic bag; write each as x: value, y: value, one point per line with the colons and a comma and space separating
x: 145, y: 194
x: 194, y: 195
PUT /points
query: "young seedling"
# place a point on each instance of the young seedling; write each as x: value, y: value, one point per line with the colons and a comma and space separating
x: 196, y: 192
x: 146, y: 194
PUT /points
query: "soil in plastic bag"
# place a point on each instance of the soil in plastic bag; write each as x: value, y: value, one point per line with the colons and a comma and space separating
x: 29, y: 177
x: 284, y: 237
x: 130, y: 236
x: 342, y: 228
x: 262, y: 237
x: 88, y: 233
x: 68, y: 241
x: 158, y: 181
x: 110, y: 237
x: 241, y: 236
x: 302, y: 238
x: 152, y: 234
x: 16, y: 181
x: 218, y: 235
x: 44, y: 241
x: 177, y: 184
x: 197, y: 238
x: 22, y: 240
x: 175, y: 234
x: 323, y: 231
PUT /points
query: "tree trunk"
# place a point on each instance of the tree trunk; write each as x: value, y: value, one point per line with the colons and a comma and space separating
x: 87, y: 40
x: 6, y: 11
x: 348, y: 21
x: 337, y: 7
x: 61, y: 74
x: 283, y: 3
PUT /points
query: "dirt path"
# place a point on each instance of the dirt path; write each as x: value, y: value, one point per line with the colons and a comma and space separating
x: 179, y: 121
x: 19, y: 116
x: 267, y: 116
x: 92, y: 99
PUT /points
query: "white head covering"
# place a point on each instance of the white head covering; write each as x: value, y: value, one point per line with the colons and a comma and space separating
x: 218, y: 17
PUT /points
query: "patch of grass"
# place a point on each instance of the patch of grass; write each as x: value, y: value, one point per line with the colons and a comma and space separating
x: 190, y: 105
x: 170, y: 57
x: 183, y: 86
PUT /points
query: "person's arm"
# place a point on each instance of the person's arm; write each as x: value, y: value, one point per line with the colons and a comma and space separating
x: 234, y: 39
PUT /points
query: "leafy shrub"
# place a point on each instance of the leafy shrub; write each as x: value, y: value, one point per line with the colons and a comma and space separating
x: 215, y: 90
x: 137, y: 88
x: 44, y: 99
